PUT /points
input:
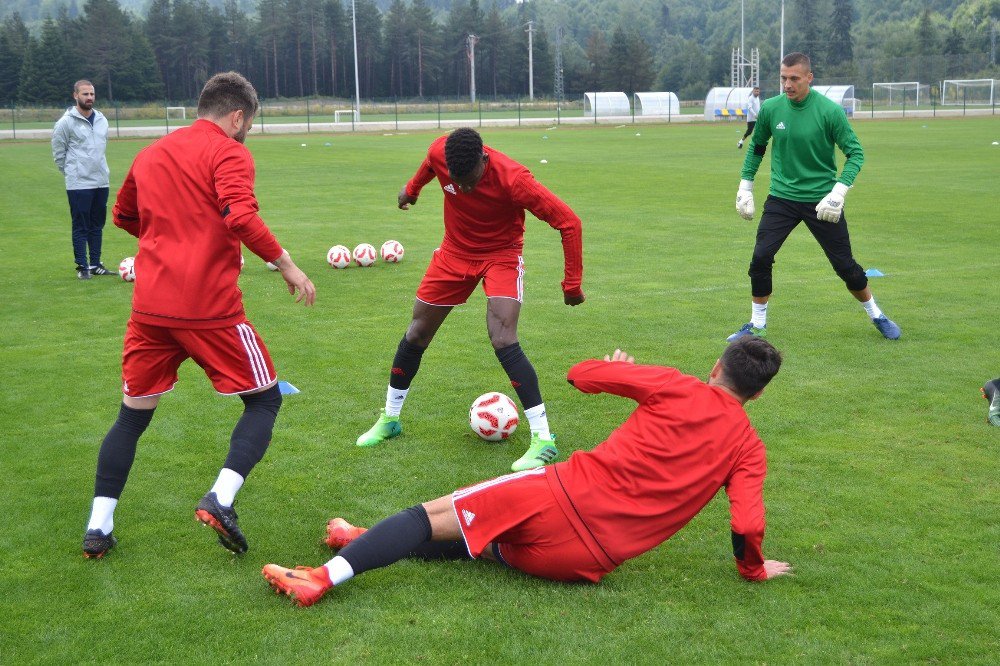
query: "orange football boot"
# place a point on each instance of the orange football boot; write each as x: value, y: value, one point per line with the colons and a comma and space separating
x: 306, y: 585
x: 339, y: 533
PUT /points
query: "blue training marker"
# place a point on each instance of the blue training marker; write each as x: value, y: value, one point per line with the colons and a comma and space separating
x: 287, y: 389
x: 874, y: 272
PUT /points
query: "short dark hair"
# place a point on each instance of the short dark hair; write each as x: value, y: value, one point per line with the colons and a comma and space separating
x: 227, y: 92
x: 81, y: 82
x: 796, y: 58
x: 463, y: 150
x: 748, y: 364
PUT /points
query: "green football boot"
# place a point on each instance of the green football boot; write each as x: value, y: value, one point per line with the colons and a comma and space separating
x: 385, y: 428
x: 541, y: 452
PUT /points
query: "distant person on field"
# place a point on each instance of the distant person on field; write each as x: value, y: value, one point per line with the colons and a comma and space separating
x: 79, y: 140
x: 991, y: 391
x: 753, y: 108
x: 580, y: 519
x: 485, y: 196
x: 189, y: 199
x: 805, y: 127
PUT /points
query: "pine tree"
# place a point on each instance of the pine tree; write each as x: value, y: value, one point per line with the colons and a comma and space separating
x: 14, y: 40
x: 427, y: 37
x: 841, y: 45
x: 46, y: 69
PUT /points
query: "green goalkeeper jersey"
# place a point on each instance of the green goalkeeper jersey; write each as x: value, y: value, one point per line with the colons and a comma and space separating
x: 803, y: 163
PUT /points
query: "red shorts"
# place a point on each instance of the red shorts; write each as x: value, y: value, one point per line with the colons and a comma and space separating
x: 234, y: 358
x: 519, y: 513
x: 450, y: 280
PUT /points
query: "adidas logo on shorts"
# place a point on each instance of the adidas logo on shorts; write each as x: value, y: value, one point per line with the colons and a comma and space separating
x: 469, y: 516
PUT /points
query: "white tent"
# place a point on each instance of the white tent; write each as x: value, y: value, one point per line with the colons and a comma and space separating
x: 657, y: 104
x: 606, y: 104
x: 726, y: 103
x: 842, y: 95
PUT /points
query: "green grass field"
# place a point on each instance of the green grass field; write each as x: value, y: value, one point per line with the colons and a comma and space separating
x: 882, y: 488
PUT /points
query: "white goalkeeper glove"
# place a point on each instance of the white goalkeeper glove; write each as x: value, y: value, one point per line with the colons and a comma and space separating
x: 744, y: 200
x: 832, y: 205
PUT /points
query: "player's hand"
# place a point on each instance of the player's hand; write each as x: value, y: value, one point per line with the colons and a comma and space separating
x: 830, y: 208
x: 619, y: 355
x: 298, y: 282
x: 776, y: 568
x: 574, y: 300
x: 404, y: 200
x: 744, y: 200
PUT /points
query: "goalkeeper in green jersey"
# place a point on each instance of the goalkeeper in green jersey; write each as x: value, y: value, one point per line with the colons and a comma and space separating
x: 805, y: 127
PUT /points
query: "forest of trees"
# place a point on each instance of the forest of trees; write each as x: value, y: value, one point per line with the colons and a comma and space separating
x: 420, y: 48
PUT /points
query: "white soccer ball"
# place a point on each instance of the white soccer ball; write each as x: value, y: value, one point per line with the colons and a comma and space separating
x: 339, y: 256
x: 126, y: 269
x: 493, y: 416
x: 364, y: 254
x: 392, y: 252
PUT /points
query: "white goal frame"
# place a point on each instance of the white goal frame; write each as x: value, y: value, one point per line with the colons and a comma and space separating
x: 901, y: 85
x: 961, y: 84
x: 182, y: 109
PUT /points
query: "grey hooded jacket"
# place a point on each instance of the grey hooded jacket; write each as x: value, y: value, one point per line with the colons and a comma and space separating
x: 78, y: 150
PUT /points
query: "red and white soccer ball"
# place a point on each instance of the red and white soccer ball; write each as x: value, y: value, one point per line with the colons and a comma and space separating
x: 493, y: 416
x: 126, y: 269
x: 364, y: 254
x: 339, y: 256
x: 392, y: 252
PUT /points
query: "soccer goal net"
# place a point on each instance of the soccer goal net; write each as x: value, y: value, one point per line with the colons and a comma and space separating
x: 959, y: 92
x: 176, y: 113
x: 900, y: 94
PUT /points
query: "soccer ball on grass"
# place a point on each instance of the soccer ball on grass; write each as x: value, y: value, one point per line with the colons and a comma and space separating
x: 126, y: 269
x: 339, y: 256
x: 392, y: 252
x: 364, y: 254
x: 493, y: 416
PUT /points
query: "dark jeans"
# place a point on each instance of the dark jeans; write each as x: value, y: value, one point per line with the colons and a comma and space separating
x: 750, y: 125
x: 89, y: 210
x: 779, y: 218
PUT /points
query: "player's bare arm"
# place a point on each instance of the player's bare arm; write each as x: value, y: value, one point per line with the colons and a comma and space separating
x: 296, y: 280
x: 404, y: 200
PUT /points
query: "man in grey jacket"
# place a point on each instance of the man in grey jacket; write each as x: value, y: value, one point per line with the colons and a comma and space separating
x: 78, y: 143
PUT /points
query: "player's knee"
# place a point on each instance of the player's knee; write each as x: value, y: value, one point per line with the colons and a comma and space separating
x: 760, y: 265
x: 503, y: 339
x: 268, y: 401
x: 854, y: 277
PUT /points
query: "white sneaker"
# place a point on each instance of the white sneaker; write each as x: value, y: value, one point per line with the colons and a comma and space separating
x: 739, y: 144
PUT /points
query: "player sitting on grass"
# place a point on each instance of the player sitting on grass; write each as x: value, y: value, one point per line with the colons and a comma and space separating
x: 991, y: 391
x: 578, y: 520
x: 485, y: 196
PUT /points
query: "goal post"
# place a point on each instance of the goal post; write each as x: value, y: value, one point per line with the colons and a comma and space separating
x: 176, y: 113
x: 900, y: 94
x: 971, y: 92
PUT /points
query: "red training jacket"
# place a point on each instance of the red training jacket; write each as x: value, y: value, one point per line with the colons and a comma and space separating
x: 490, y: 218
x: 189, y: 200
x: 656, y: 471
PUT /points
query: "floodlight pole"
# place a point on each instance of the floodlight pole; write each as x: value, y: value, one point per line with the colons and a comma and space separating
x: 357, y: 84
x: 531, y: 62
x: 742, y: 45
x: 470, y: 44
x: 782, y: 48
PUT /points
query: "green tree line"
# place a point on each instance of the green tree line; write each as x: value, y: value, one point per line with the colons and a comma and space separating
x: 422, y: 48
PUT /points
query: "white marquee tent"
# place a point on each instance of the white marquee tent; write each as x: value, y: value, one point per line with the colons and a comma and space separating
x: 842, y: 95
x: 726, y: 103
x: 606, y: 104
x: 657, y: 104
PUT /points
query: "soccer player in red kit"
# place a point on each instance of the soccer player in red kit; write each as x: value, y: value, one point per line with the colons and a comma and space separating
x: 580, y: 519
x: 485, y: 196
x: 189, y: 200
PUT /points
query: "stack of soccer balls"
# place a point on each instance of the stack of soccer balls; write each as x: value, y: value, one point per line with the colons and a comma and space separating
x: 493, y: 416
x: 364, y: 254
